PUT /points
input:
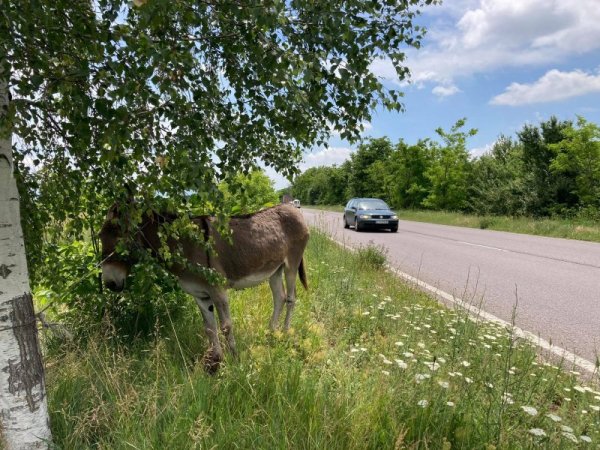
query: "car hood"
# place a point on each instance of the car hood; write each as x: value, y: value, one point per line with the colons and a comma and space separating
x: 385, y: 212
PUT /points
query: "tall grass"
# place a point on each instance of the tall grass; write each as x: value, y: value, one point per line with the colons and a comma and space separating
x: 370, y: 364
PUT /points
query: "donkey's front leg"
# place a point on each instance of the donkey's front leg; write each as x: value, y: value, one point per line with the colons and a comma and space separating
x: 214, y: 355
x: 222, y: 304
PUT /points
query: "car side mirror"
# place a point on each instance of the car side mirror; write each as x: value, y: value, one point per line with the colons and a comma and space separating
x: 353, y: 208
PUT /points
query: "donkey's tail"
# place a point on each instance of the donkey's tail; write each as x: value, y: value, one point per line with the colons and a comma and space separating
x: 302, y: 274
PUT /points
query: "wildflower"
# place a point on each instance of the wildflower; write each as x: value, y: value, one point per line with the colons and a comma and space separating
x: 537, y: 432
x: 385, y: 372
x: 566, y: 399
x: 408, y: 354
x: 595, y: 408
x: 507, y: 398
x: 490, y: 385
x: 421, y: 345
x: 399, y: 344
x: 432, y: 365
x: 354, y: 350
x: 366, y: 313
x: 401, y: 363
x: 423, y: 403
x: 553, y: 417
x: 362, y: 349
x: 585, y: 438
x: 570, y: 436
x: 444, y: 384
x: 579, y: 389
x: 468, y: 380
x: 450, y: 404
x: 530, y: 410
x: 466, y: 363
x: 421, y: 377
x: 566, y: 429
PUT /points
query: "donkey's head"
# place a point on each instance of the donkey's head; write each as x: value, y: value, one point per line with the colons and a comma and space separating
x: 116, y: 231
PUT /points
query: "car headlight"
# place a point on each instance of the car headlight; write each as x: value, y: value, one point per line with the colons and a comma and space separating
x: 364, y: 216
x: 394, y: 217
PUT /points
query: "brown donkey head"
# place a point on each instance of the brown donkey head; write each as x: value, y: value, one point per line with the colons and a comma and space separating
x: 116, y: 233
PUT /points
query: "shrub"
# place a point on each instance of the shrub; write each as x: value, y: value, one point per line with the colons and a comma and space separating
x: 372, y: 255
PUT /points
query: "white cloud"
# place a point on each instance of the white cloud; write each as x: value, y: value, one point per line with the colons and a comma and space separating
x: 445, y: 91
x: 553, y: 86
x: 479, y: 36
x: 478, y: 151
x: 326, y: 157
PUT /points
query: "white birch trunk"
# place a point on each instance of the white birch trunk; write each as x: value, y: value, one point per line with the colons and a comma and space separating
x: 24, y: 420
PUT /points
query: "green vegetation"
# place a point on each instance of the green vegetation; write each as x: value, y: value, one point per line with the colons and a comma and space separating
x: 549, y: 171
x: 370, y: 364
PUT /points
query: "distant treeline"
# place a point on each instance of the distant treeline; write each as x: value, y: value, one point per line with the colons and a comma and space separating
x: 549, y: 169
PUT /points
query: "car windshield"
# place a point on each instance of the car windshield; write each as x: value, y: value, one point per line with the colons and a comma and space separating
x: 372, y: 204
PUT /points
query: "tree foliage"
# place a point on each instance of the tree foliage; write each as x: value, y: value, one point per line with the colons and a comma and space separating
x: 168, y: 100
x: 550, y: 168
x: 578, y: 156
x: 172, y: 97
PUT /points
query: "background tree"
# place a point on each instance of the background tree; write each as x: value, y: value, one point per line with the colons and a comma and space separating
x: 552, y: 191
x: 578, y: 155
x: 254, y: 192
x: 449, y: 170
x: 404, y: 174
x: 365, y: 182
x: 498, y: 183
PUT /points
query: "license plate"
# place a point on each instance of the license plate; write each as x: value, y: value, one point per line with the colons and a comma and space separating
x: 381, y: 222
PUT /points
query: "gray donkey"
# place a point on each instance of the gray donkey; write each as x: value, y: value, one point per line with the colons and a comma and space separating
x: 264, y: 245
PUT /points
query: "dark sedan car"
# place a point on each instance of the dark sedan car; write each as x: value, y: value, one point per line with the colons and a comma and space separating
x: 372, y: 213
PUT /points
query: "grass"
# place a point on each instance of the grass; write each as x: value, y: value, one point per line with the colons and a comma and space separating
x: 371, y: 363
x: 581, y: 229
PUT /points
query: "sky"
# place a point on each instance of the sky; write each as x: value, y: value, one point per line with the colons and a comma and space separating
x: 499, y: 63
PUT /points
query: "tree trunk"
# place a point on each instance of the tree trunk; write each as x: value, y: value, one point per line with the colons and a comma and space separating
x: 24, y: 420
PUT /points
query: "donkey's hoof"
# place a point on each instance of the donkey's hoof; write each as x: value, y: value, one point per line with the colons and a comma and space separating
x: 212, y: 362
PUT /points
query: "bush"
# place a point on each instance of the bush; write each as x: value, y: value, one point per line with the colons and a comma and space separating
x: 374, y: 256
x: 70, y: 287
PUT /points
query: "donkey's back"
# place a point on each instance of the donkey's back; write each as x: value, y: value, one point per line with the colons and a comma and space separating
x: 261, y: 244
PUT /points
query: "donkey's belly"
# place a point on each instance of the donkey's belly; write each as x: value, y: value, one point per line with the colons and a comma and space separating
x: 251, y: 280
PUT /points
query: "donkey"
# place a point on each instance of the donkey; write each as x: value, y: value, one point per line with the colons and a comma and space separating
x: 268, y: 244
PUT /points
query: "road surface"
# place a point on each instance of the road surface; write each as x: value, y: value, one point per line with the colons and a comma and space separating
x: 556, y: 281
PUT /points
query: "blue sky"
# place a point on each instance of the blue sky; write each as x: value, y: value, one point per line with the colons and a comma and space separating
x: 499, y: 63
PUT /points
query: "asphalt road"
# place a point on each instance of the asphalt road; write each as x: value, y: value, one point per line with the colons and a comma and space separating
x: 556, y: 281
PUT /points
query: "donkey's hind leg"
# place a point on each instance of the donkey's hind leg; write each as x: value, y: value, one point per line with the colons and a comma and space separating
x: 276, y: 283
x: 291, y: 271
x: 214, y: 355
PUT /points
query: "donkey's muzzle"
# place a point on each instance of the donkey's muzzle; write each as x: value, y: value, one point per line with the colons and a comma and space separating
x: 114, y: 286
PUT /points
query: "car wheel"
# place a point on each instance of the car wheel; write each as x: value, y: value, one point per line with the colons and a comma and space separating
x: 345, y: 223
x: 356, y: 227
x: 394, y: 230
